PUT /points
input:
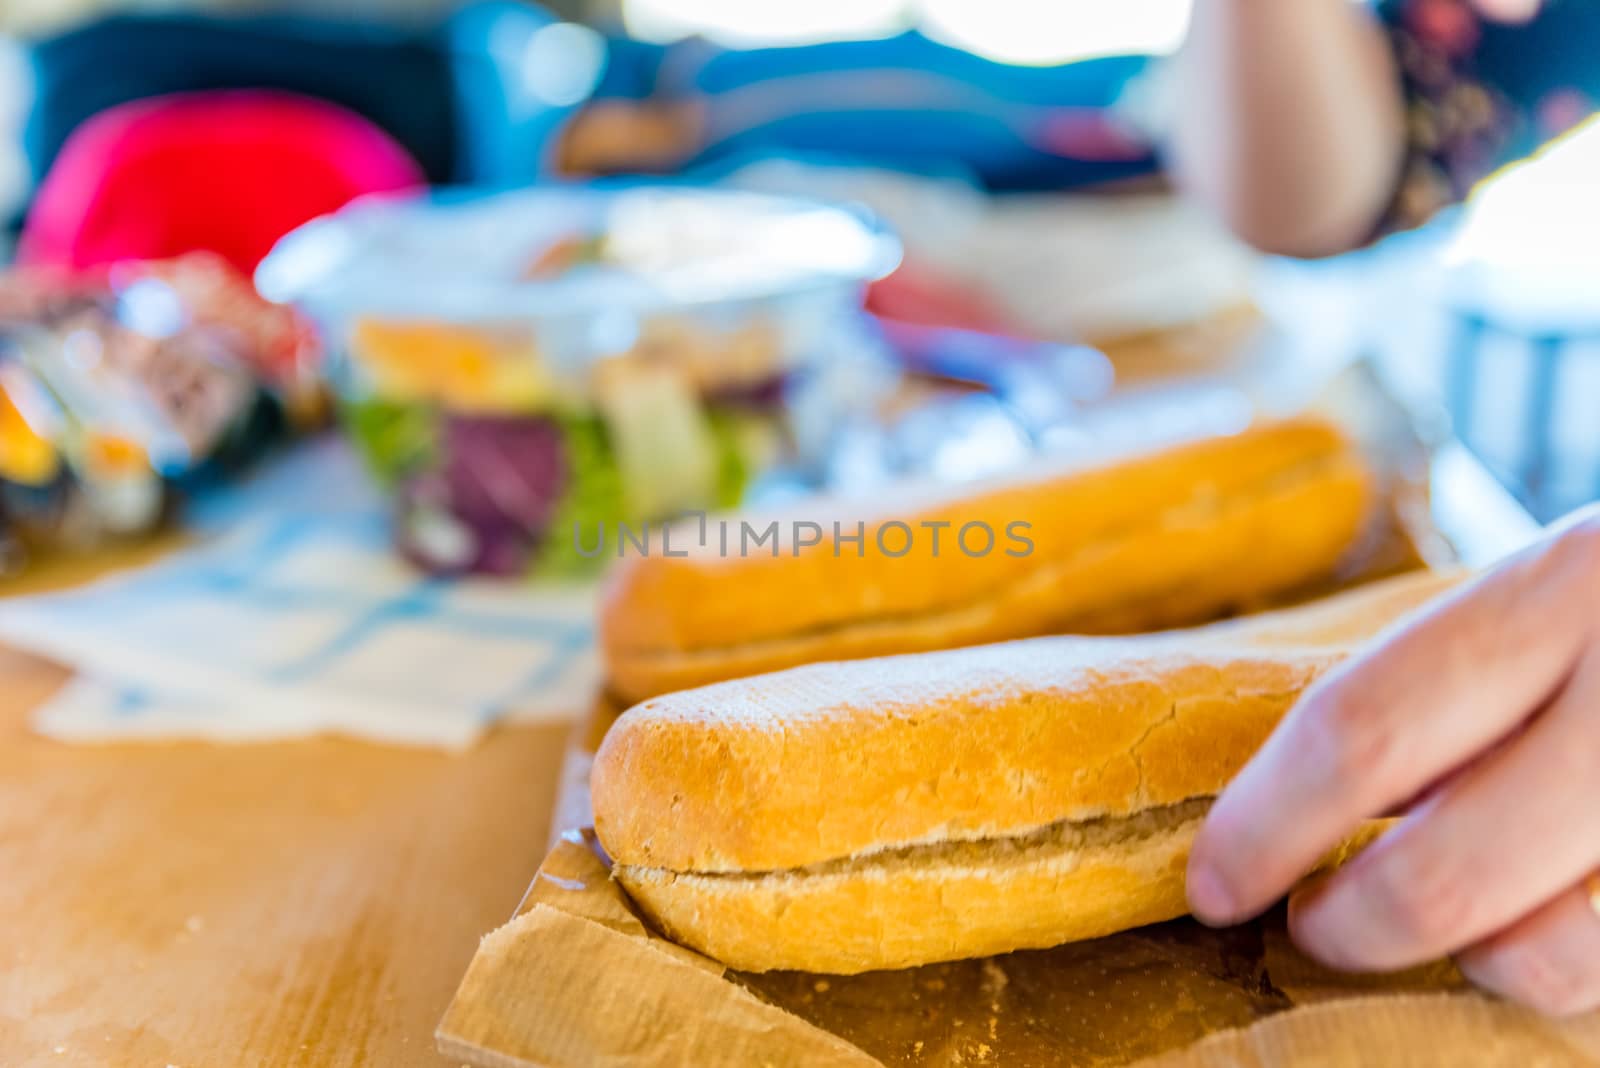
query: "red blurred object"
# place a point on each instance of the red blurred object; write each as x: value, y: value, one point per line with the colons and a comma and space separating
x: 1090, y: 134
x: 924, y: 297
x: 224, y: 172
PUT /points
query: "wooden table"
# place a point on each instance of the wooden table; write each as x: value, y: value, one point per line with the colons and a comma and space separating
x: 310, y: 903
x: 223, y: 906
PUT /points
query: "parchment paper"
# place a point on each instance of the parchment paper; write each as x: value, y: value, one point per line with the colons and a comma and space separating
x: 578, y: 978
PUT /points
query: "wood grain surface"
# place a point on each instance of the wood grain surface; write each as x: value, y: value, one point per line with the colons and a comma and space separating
x: 222, y: 906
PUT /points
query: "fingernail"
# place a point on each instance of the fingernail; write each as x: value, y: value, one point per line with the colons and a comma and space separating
x: 1209, y: 898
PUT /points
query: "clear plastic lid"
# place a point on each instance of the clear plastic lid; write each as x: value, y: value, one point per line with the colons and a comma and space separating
x: 570, y: 253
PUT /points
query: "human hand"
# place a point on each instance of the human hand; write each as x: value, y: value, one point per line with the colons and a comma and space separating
x: 1479, y: 722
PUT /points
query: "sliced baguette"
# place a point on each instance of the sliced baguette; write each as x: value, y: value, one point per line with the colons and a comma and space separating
x: 884, y: 813
x: 1167, y: 538
x: 1065, y: 883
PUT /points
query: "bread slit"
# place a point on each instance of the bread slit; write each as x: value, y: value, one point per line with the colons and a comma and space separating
x: 1062, y: 838
x: 1066, y: 882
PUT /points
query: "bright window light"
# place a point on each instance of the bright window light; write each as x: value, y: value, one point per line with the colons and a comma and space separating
x: 1540, y: 213
x: 1526, y: 249
x: 1026, y: 31
x: 765, y: 22
x: 1015, y: 31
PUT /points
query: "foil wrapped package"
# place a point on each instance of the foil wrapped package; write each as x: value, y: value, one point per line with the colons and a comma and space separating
x: 121, y: 386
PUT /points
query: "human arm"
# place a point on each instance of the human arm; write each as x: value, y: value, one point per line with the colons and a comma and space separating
x: 1288, y: 121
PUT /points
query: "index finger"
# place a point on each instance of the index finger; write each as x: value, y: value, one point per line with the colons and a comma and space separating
x: 1424, y: 698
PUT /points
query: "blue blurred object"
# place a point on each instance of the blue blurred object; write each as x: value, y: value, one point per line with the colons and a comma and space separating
x: 1040, y: 381
x: 912, y: 104
x: 482, y: 96
x: 396, y: 76
x: 1022, y: 397
x: 518, y: 75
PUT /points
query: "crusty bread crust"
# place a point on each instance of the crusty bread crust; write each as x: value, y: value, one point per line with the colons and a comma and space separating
x: 837, y: 760
x: 1163, y: 539
x: 875, y: 814
x: 932, y: 903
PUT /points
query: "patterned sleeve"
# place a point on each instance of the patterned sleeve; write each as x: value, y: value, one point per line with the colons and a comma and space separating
x: 1481, y: 93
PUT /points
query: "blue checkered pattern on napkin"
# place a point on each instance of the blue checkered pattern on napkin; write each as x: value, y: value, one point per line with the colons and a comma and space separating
x: 300, y: 621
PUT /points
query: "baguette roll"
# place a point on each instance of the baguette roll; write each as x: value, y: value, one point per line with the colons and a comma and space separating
x: 1168, y: 538
x: 848, y: 817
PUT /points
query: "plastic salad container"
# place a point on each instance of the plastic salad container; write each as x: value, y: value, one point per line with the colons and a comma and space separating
x: 522, y: 366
